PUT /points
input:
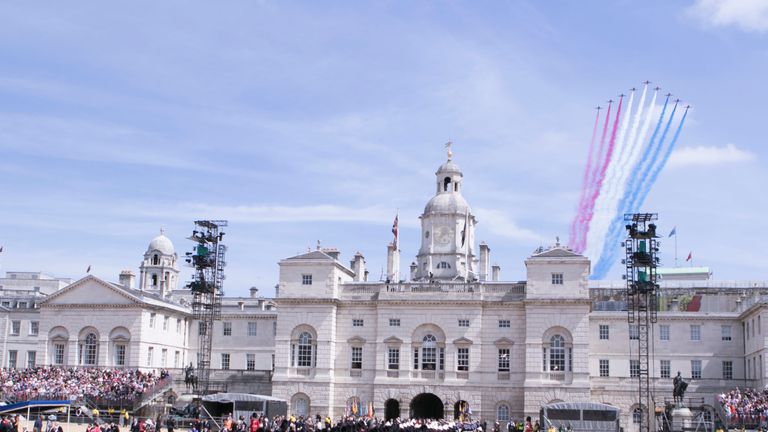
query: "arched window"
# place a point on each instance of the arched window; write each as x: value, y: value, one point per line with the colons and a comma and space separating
x: 89, y: 350
x: 443, y: 265
x: 301, y: 406
x: 304, y: 351
x: 155, y: 259
x: 502, y: 413
x: 446, y: 183
x: 154, y: 280
x: 557, y: 353
x: 637, y: 415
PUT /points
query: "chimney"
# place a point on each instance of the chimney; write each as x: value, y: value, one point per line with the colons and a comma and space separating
x: 254, y: 292
x: 241, y: 304
x: 393, y: 263
x: 485, y: 256
x: 358, y: 266
x: 495, y: 270
x: 332, y: 252
x: 127, y: 278
x: 414, y: 267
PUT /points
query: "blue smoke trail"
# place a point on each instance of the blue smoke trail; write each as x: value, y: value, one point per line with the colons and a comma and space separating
x: 611, y: 240
x: 667, y: 154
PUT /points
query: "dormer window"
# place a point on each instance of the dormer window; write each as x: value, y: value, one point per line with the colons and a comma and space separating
x: 443, y: 265
x: 155, y: 260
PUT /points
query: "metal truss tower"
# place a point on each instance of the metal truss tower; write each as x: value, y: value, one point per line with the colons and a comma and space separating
x: 208, y: 260
x: 640, y: 263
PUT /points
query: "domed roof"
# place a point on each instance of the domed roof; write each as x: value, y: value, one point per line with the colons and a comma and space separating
x: 449, y: 167
x: 447, y: 203
x: 162, y: 244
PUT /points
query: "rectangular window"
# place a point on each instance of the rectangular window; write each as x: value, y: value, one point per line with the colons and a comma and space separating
x: 166, y: 320
x: 150, y: 355
x: 163, y: 357
x: 21, y: 305
x: 503, y: 359
x: 227, y: 327
x: 119, y: 355
x: 695, y: 369
x: 152, y: 320
x: 462, y: 363
x: 664, y: 332
x: 634, y: 368
x: 727, y: 370
x: 58, y: 354
x: 357, y: 358
x: 505, y: 323
x: 394, y: 322
x: 250, y: 362
x: 306, y: 279
x: 201, y: 328
x: 463, y: 323
x: 34, y: 328
x: 393, y: 358
x: 251, y: 328
x: 557, y: 278
x: 224, y: 361
x: 31, y: 359
x: 6, y: 304
x: 178, y: 325
x: 695, y: 332
x: 665, y: 369
x: 15, y: 328
x: 274, y: 328
x: 429, y: 359
x: 604, y: 332
x: 634, y: 332
x: 357, y: 322
x: 415, y: 359
x: 725, y: 332
x: 176, y: 359
x: 12, y: 358
x: 604, y: 370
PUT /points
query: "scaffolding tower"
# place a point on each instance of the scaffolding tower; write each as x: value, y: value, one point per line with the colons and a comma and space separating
x: 641, y: 260
x: 207, y: 258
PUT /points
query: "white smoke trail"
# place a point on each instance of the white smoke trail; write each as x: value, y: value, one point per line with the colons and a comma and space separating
x: 605, y: 201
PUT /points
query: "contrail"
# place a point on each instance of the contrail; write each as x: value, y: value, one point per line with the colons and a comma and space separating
x: 581, y: 232
x: 613, y: 233
x: 629, y: 205
x: 584, y: 182
x: 601, y: 173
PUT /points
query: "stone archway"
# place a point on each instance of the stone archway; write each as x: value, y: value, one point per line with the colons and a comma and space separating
x: 426, y: 406
x: 391, y: 409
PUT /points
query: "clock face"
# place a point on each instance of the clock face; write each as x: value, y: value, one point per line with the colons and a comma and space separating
x: 443, y: 235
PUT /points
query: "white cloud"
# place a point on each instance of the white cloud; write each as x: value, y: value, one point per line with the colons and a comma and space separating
x: 749, y: 15
x: 499, y: 223
x: 707, y: 156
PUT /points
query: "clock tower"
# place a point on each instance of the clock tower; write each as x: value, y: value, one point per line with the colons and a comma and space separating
x: 447, y: 230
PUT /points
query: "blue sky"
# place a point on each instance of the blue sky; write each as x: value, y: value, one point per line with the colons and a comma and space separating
x: 306, y: 121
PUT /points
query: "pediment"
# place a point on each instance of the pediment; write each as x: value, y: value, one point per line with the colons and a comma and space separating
x: 91, y: 290
x: 393, y: 340
x: 503, y: 342
x: 462, y: 341
x: 356, y: 340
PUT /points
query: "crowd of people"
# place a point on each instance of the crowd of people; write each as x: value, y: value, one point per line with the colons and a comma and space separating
x: 59, y: 383
x: 319, y: 423
x: 745, y: 405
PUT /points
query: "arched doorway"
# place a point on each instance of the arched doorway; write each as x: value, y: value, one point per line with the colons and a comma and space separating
x: 461, y: 410
x: 427, y: 405
x: 391, y: 409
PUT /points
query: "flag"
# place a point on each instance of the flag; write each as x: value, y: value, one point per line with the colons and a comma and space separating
x: 673, y: 232
x: 690, y: 256
x: 1, y: 249
x: 89, y: 269
x: 395, y: 230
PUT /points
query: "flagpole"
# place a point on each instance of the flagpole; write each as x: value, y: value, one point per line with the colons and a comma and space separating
x: 675, y: 246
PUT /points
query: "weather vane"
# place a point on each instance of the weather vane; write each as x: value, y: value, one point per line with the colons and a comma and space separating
x: 448, y: 146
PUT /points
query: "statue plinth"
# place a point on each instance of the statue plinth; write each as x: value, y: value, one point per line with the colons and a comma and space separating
x: 682, y: 418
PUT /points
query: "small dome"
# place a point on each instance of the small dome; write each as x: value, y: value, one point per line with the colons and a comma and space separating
x: 447, y: 203
x: 162, y: 244
x: 449, y: 168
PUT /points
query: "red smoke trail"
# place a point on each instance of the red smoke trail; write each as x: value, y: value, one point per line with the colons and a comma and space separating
x: 585, y: 182
x: 582, y: 213
x: 601, y: 176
